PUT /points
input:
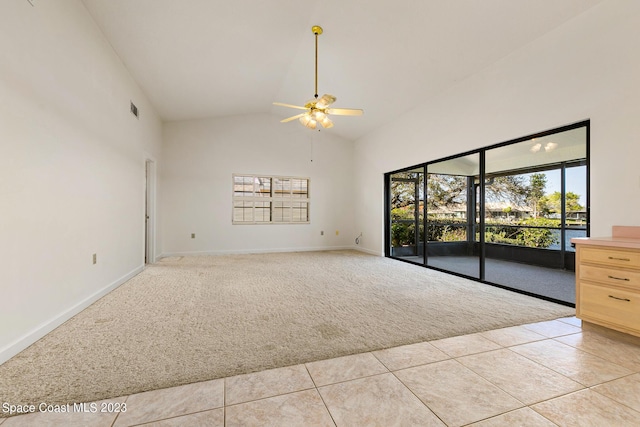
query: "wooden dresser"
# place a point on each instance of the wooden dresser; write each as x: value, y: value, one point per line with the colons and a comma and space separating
x: 608, y: 279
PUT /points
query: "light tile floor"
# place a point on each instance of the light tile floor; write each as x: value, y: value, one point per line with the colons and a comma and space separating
x: 543, y: 374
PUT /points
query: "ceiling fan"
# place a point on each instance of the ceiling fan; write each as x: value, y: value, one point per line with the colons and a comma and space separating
x: 317, y: 110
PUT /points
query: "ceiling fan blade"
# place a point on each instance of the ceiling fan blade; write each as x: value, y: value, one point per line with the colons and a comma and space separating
x: 326, y: 123
x: 288, y: 119
x: 325, y: 100
x: 289, y: 105
x: 345, y: 111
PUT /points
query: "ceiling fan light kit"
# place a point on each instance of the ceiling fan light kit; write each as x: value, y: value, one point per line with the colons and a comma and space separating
x: 317, y: 110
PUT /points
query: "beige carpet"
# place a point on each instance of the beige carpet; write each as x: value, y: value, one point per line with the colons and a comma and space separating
x: 189, y: 319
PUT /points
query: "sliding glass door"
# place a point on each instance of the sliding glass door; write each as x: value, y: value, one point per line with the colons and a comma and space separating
x: 528, y: 204
x: 452, y: 225
x: 504, y: 214
x: 406, y: 200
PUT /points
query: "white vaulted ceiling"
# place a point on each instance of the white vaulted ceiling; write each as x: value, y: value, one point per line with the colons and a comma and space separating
x: 211, y: 58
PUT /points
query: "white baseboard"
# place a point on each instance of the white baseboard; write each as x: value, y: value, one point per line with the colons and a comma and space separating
x: 256, y: 251
x: 43, y: 329
x: 368, y: 251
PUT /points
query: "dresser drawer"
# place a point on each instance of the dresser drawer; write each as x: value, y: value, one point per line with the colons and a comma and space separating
x: 610, y: 305
x: 610, y: 257
x: 610, y: 276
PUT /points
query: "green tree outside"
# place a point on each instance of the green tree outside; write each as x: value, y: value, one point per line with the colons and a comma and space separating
x: 551, y: 203
x: 537, y: 184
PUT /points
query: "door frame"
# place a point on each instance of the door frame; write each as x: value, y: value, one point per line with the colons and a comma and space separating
x: 149, y: 255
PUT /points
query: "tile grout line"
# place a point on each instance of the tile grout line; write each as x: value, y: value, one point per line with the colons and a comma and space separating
x: 310, y: 376
x: 381, y: 362
x: 321, y: 398
x: 270, y: 397
x: 352, y: 379
x: 615, y: 379
x: 469, y: 354
x: 614, y: 400
x: 566, y: 321
x: 416, y: 396
x: 575, y: 348
x: 320, y: 394
x: 172, y: 417
x: 595, y: 354
x: 530, y: 408
x: 162, y: 419
x: 524, y: 403
x: 113, y: 423
x: 542, y: 337
x: 508, y: 412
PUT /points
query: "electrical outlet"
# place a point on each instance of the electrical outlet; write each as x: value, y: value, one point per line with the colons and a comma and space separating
x: 322, y: 233
x: 95, y: 258
x: 193, y: 235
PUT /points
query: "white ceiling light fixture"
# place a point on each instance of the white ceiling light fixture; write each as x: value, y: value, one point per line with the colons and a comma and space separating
x: 317, y: 110
x: 549, y: 146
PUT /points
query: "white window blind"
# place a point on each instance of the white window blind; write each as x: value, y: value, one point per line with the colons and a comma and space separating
x: 263, y: 199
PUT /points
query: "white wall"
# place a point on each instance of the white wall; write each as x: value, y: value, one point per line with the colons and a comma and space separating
x: 72, y: 173
x: 588, y: 68
x: 200, y: 158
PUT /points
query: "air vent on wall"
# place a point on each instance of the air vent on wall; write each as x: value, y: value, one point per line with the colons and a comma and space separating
x: 134, y: 110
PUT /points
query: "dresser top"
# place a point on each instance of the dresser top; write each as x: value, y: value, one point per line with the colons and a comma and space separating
x: 622, y: 237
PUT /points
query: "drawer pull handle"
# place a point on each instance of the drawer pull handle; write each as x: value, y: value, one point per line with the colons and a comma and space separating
x: 618, y: 278
x: 619, y: 259
x: 621, y: 299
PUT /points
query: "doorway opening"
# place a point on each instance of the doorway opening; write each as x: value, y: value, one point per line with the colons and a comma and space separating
x: 149, y: 212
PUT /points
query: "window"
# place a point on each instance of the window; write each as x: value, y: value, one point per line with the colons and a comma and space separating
x: 259, y: 199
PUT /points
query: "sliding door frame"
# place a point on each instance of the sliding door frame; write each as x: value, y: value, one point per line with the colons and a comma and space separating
x: 482, y: 196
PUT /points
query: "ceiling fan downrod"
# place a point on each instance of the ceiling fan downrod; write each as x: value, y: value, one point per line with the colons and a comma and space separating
x: 317, y: 30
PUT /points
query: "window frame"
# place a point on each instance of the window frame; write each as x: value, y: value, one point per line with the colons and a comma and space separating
x: 289, y: 200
